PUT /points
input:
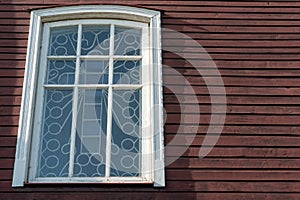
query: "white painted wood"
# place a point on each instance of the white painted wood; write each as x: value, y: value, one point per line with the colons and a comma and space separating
x: 109, y: 104
x: 97, y: 22
x: 39, y: 112
x: 92, y: 180
x: 61, y: 57
x: 92, y: 86
x: 75, y: 103
x: 136, y: 15
x: 158, y: 118
x: 25, y: 120
x: 64, y: 13
x: 146, y: 134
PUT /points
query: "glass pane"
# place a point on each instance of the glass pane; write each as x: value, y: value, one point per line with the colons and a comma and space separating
x: 91, y: 133
x: 127, y: 41
x: 55, y: 136
x: 126, y: 130
x: 127, y: 72
x: 93, y: 72
x: 61, y: 72
x: 63, y: 41
x: 95, y: 40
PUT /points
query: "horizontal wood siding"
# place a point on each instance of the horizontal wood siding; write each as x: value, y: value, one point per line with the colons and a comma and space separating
x: 256, y: 47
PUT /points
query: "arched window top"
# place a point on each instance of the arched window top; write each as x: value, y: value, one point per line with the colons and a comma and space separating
x: 95, y: 12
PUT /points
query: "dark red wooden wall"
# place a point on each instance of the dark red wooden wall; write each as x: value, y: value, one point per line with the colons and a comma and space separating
x: 256, y: 46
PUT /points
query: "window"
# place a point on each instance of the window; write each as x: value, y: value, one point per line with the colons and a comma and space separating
x: 92, y: 98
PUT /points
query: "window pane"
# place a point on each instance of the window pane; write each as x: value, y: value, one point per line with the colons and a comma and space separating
x: 91, y: 133
x: 61, y: 72
x: 126, y: 130
x: 55, y: 136
x: 127, y: 72
x: 127, y: 41
x: 93, y: 72
x: 63, y: 41
x: 95, y: 40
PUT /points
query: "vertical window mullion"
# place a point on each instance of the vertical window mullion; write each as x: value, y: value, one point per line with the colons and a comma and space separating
x: 75, y: 103
x: 146, y: 134
x: 110, y: 99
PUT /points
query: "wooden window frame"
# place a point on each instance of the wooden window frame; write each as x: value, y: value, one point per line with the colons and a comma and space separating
x: 40, y: 19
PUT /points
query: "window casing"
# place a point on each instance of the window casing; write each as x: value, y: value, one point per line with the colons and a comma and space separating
x: 83, y: 103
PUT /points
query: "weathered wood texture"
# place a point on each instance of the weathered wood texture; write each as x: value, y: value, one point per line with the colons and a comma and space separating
x: 256, y: 47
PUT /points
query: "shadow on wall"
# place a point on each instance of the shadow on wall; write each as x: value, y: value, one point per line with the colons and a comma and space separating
x: 183, y: 105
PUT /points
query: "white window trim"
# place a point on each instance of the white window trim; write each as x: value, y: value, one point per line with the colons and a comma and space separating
x: 38, y: 17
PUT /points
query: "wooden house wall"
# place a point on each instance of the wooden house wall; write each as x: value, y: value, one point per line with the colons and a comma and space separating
x: 256, y: 46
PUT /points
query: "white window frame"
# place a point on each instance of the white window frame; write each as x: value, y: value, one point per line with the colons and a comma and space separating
x: 39, y: 22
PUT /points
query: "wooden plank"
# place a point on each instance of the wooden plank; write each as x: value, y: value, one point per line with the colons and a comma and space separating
x: 9, y: 120
x: 219, y: 56
x: 21, y: 22
x: 14, y: 49
x: 7, y: 152
x: 273, y: 3
x: 223, y: 141
x: 166, y: 35
x: 9, y: 82
x: 234, y: 163
x: 231, y: 36
x: 9, y: 110
x: 229, y: 64
x: 223, y: 9
x: 8, y: 130
x: 10, y: 100
x: 239, y: 119
x: 238, y: 129
x: 233, y: 175
x: 154, y: 195
x: 236, y: 152
x: 239, y: 90
x: 21, y: 2
x: 8, y: 141
x: 6, y: 56
x: 14, y: 15
x: 232, y: 109
x: 240, y: 16
x: 295, y: 73
x: 7, y: 163
x: 221, y: 22
x: 14, y: 29
x: 7, y: 91
x: 12, y: 64
x: 64, y: 195
x: 4, y: 42
x: 11, y: 73
x: 229, y: 81
x: 6, y: 174
x: 238, y: 50
x: 14, y: 36
x: 140, y: 194
x: 183, y: 28
x: 245, y: 186
x: 231, y: 100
